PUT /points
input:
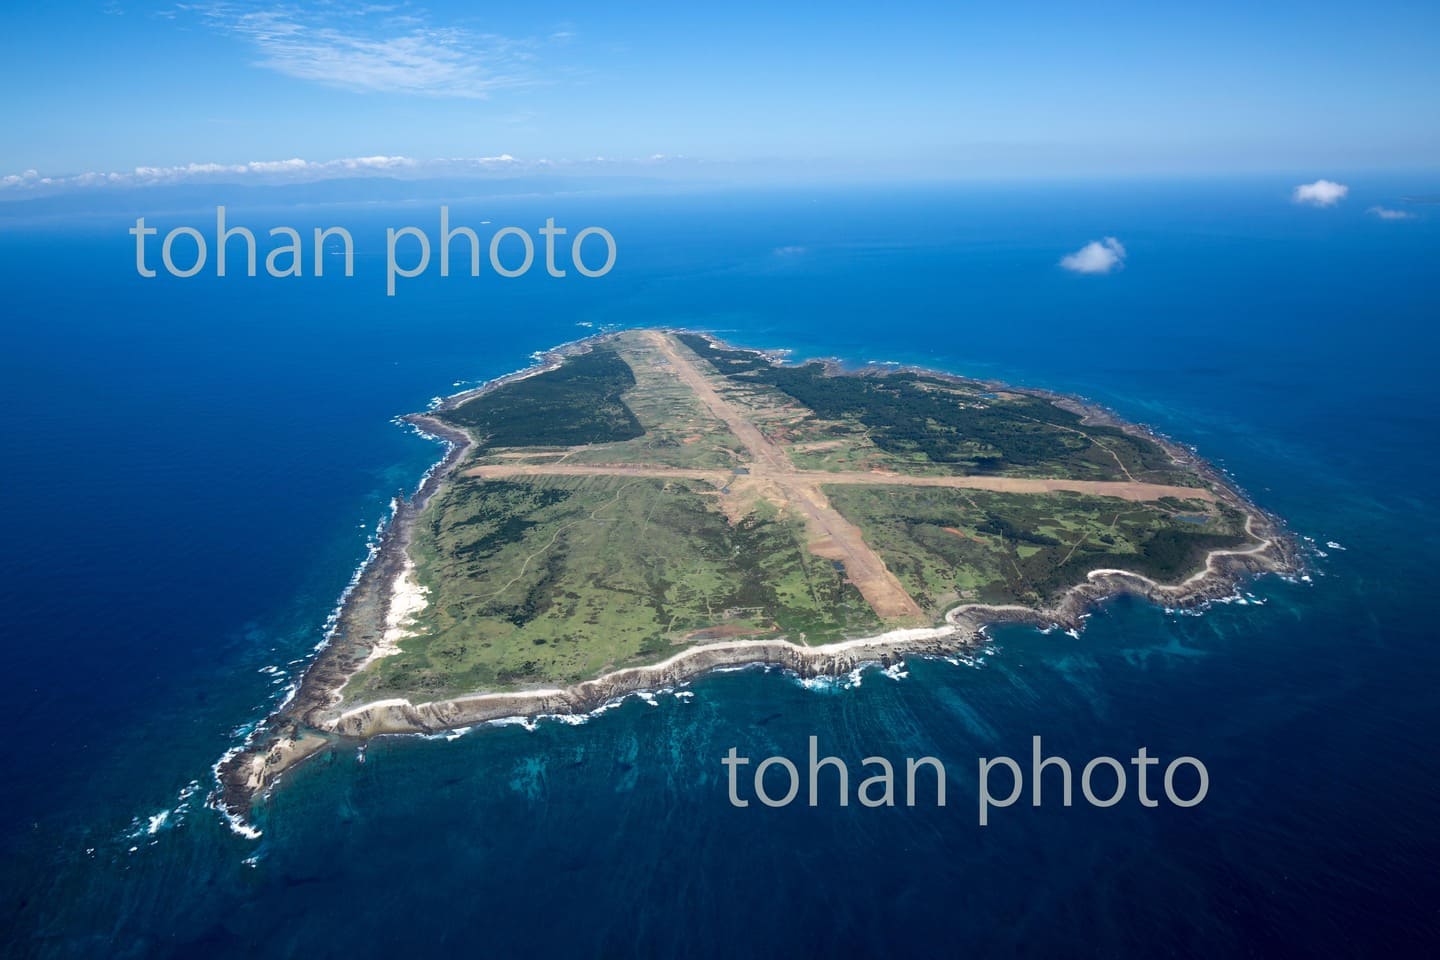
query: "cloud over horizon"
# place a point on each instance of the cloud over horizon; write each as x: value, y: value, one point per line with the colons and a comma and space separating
x: 292, y: 170
x: 1321, y: 193
x: 374, y: 48
x: 298, y: 170
x: 1098, y: 256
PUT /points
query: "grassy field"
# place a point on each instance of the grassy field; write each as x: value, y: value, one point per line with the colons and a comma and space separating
x: 565, y: 578
x: 581, y: 551
x: 948, y: 546
x: 677, y: 430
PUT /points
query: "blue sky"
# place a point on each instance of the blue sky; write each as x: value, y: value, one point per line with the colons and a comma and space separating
x: 873, y: 89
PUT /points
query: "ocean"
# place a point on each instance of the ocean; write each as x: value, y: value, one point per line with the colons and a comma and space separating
x: 193, y: 470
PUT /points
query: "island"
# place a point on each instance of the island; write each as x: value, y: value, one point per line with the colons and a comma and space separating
x: 647, y: 505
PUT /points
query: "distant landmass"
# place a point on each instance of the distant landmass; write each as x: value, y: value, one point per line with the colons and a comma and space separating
x: 645, y: 506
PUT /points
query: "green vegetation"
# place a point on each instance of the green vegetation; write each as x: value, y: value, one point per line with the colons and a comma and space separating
x: 726, y: 361
x: 678, y: 432
x: 590, y: 538
x: 913, y: 416
x: 579, y: 402
x: 948, y: 546
x: 564, y: 578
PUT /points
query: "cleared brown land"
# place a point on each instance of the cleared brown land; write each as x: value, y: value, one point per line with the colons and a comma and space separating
x: 831, y: 535
x: 1121, y: 489
x: 766, y: 454
x: 770, y: 469
x: 497, y: 471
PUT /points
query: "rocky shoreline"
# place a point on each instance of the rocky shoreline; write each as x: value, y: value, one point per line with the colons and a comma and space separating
x: 300, y: 727
x: 313, y: 719
x: 963, y: 629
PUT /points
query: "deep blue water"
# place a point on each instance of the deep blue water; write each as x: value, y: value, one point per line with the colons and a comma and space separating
x: 188, y: 466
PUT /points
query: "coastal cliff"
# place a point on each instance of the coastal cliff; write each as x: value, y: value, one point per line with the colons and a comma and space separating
x: 320, y: 714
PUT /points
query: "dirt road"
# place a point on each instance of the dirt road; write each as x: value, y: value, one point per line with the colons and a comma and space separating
x: 830, y: 534
x: 1120, y: 489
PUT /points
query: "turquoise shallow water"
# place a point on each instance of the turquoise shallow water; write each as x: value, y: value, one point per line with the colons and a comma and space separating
x: 190, y: 465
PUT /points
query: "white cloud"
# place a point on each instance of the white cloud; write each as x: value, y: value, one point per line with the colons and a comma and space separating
x: 29, y: 177
x: 374, y: 49
x: 294, y: 170
x: 298, y: 170
x: 1385, y: 213
x: 1321, y: 193
x: 1099, y: 256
